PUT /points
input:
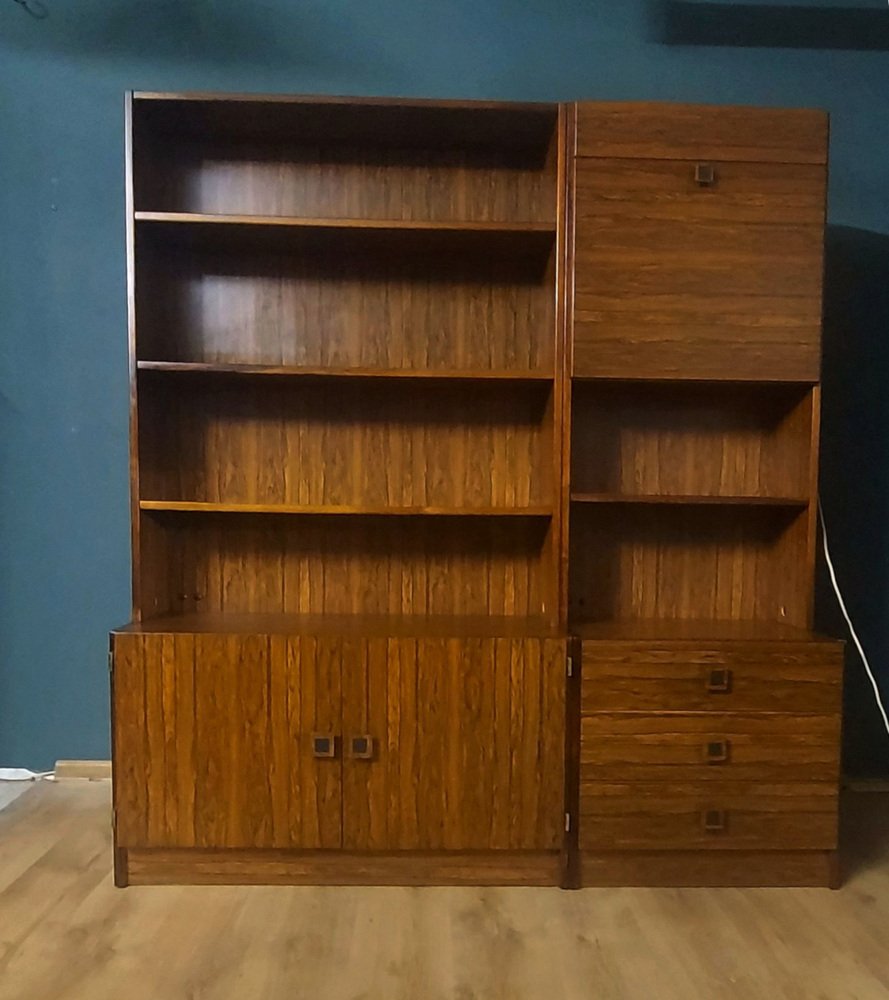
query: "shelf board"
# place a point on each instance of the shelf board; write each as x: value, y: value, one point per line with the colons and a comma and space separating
x: 494, y: 626
x: 379, y: 225
x: 693, y: 630
x: 303, y: 371
x: 691, y: 500
x: 193, y: 506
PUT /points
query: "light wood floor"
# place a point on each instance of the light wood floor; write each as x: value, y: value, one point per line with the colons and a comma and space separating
x: 66, y: 932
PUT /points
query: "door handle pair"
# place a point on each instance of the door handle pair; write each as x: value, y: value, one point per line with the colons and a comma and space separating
x: 325, y: 745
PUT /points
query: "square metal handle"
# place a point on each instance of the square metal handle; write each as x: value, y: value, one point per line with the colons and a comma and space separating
x: 705, y: 174
x: 715, y: 820
x: 716, y: 751
x: 361, y: 747
x: 719, y: 680
x: 323, y: 745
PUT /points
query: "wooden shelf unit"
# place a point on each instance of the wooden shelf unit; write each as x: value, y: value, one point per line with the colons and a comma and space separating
x: 474, y: 466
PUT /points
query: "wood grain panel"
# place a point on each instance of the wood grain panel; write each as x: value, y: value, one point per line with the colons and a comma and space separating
x: 691, y: 440
x: 672, y: 279
x: 650, y: 130
x: 661, y: 815
x: 675, y: 747
x: 264, y: 563
x: 610, y: 190
x: 674, y: 562
x: 213, y: 741
x: 469, y: 737
x: 651, y: 676
x: 460, y: 308
x: 408, y: 868
x: 709, y: 868
x: 438, y: 445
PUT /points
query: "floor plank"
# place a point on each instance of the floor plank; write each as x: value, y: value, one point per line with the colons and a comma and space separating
x: 68, y: 934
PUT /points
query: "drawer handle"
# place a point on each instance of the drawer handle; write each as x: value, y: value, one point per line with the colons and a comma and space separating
x: 719, y: 680
x: 361, y: 747
x: 715, y: 820
x: 705, y: 174
x: 323, y: 745
x: 716, y: 751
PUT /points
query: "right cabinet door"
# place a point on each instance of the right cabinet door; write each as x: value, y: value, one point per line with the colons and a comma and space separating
x: 698, y: 242
x: 453, y: 744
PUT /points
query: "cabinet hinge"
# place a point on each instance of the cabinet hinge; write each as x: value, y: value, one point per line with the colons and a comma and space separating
x: 110, y: 661
x: 569, y: 662
x: 567, y: 822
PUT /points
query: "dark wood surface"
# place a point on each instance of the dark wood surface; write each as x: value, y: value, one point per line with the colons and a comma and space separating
x: 772, y: 677
x: 375, y: 308
x: 709, y: 868
x: 682, y: 280
x: 369, y: 626
x: 701, y: 132
x: 466, y: 752
x: 274, y: 867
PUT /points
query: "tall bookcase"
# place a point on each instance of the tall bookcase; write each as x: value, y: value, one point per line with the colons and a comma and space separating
x: 474, y: 446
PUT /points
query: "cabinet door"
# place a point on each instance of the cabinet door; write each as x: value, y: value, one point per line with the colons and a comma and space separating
x: 467, y: 744
x: 213, y: 741
x: 693, y: 259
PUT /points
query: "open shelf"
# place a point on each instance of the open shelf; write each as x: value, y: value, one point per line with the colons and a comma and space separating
x: 745, y: 501
x: 462, y: 626
x: 518, y: 239
x: 333, y: 372
x: 254, y: 563
x: 692, y: 443
x: 338, y: 510
x: 689, y: 562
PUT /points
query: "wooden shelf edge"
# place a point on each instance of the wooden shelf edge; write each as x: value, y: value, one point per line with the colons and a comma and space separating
x: 186, y: 506
x: 384, y: 225
x: 300, y: 371
x: 689, y: 500
x: 693, y: 630
x: 453, y: 626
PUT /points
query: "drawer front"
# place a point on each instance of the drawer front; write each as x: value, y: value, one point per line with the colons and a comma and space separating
x: 795, y: 678
x: 708, y: 816
x: 709, y: 747
x: 655, y: 130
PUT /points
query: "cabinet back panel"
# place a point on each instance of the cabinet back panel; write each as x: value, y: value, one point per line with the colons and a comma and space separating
x: 291, y: 564
x: 691, y: 440
x: 442, y: 444
x: 346, y: 182
x: 323, y: 307
x: 677, y: 562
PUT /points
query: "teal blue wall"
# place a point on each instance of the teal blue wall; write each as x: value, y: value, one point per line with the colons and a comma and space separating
x: 64, y: 565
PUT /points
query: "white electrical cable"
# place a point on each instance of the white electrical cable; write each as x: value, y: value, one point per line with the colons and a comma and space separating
x: 22, y: 774
x: 852, y: 632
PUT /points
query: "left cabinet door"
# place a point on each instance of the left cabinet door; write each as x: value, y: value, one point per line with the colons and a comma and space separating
x: 214, y: 741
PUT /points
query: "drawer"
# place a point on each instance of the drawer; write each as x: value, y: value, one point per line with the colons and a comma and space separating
x: 787, y: 677
x: 683, y: 131
x: 709, y: 747
x: 707, y: 815
x: 696, y: 191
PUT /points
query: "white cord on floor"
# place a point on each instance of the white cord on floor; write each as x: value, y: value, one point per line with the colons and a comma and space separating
x: 852, y: 632
x: 22, y: 774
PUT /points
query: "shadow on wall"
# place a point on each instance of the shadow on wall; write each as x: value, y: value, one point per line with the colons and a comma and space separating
x: 855, y: 475
x: 209, y: 32
x: 773, y: 26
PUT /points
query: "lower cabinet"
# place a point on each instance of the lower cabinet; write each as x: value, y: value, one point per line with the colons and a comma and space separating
x: 709, y: 763
x: 233, y: 750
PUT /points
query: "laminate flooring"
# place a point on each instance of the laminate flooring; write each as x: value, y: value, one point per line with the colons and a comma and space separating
x: 67, y: 934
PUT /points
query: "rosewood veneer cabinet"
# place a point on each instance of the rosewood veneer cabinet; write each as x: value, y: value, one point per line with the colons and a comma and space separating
x: 474, y: 464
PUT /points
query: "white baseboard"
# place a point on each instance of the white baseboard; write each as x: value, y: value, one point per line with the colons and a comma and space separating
x: 94, y: 770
